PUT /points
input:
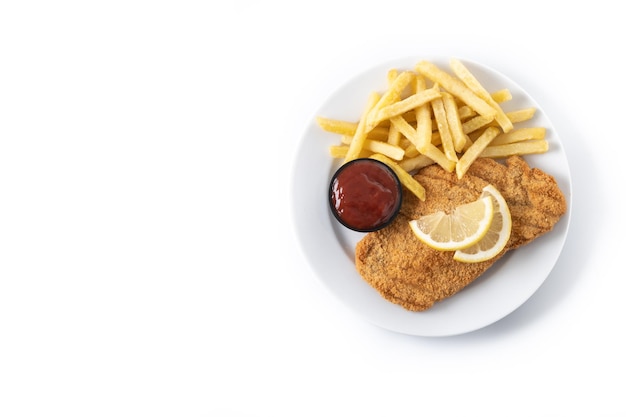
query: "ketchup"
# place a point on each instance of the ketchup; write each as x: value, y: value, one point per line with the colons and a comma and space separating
x: 365, y: 195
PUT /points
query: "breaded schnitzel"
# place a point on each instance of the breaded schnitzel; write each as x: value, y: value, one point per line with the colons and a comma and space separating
x: 409, y: 273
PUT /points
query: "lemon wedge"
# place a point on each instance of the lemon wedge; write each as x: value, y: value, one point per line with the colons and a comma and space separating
x: 496, y: 237
x: 463, y: 227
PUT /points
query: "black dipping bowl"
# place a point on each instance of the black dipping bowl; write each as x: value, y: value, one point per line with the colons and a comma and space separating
x: 365, y: 195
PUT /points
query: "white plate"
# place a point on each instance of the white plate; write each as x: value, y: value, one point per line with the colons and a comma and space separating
x: 329, y: 247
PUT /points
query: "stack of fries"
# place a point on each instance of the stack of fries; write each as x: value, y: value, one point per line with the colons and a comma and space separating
x: 427, y: 116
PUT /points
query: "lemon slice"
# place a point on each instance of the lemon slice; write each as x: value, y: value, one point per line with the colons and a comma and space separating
x: 463, y: 227
x: 496, y: 237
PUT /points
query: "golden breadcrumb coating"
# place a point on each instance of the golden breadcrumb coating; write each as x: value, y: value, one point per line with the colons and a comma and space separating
x: 407, y: 272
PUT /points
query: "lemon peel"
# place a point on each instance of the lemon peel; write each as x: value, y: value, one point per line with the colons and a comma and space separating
x: 496, y: 237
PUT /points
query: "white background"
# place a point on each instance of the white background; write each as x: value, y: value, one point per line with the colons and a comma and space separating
x: 148, y: 264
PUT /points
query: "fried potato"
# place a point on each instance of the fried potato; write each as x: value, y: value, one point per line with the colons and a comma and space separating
x: 522, y: 115
x: 456, y: 87
x: 465, y: 112
x: 423, y: 116
x: 473, y: 84
x: 338, y: 151
x: 409, y: 103
x: 426, y: 148
x: 439, y: 157
x: 475, y: 150
x: 360, y: 134
x: 391, y: 75
x: 392, y: 151
x: 376, y: 146
x: 391, y: 96
x: 501, y: 96
x: 405, y: 178
x: 340, y: 127
x: 416, y: 163
x: 429, y: 116
x: 444, y: 129
x: 521, y: 134
x: 454, y: 121
x: 519, y: 148
x: 475, y: 123
x: 394, y: 136
x: 411, y: 151
x: 406, y: 129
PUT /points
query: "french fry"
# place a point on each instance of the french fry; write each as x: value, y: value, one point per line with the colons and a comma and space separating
x: 469, y: 141
x: 338, y: 151
x: 443, y: 128
x: 455, y: 87
x: 404, y: 142
x: 408, y: 116
x: 475, y: 150
x: 522, y: 115
x: 392, y: 151
x: 398, y: 82
x: 435, y: 138
x: 405, y: 178
x: 475, y: 123
x: 416, y: 163
x: 519, y: 148
x: 410, y: 151
x: 476, y: 134
x: 423, y: 115
x: 501, y: 96
x: 466, y: 112
x: 379, y: 133
x: 340, y: 127
x: 345, y: 128
x: 428, y: 149
x: 392, y: 95
x: 406, y: 129
x: 359, y: 135
x: 454, y: 121
x: 438, y: 156
x: 403, y: 106
x: 375, y: 134
x: 394, y: 135
x: 473, y: 84
x: 519, y: 135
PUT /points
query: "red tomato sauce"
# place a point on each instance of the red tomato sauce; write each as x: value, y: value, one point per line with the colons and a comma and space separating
x: 365, y: 195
